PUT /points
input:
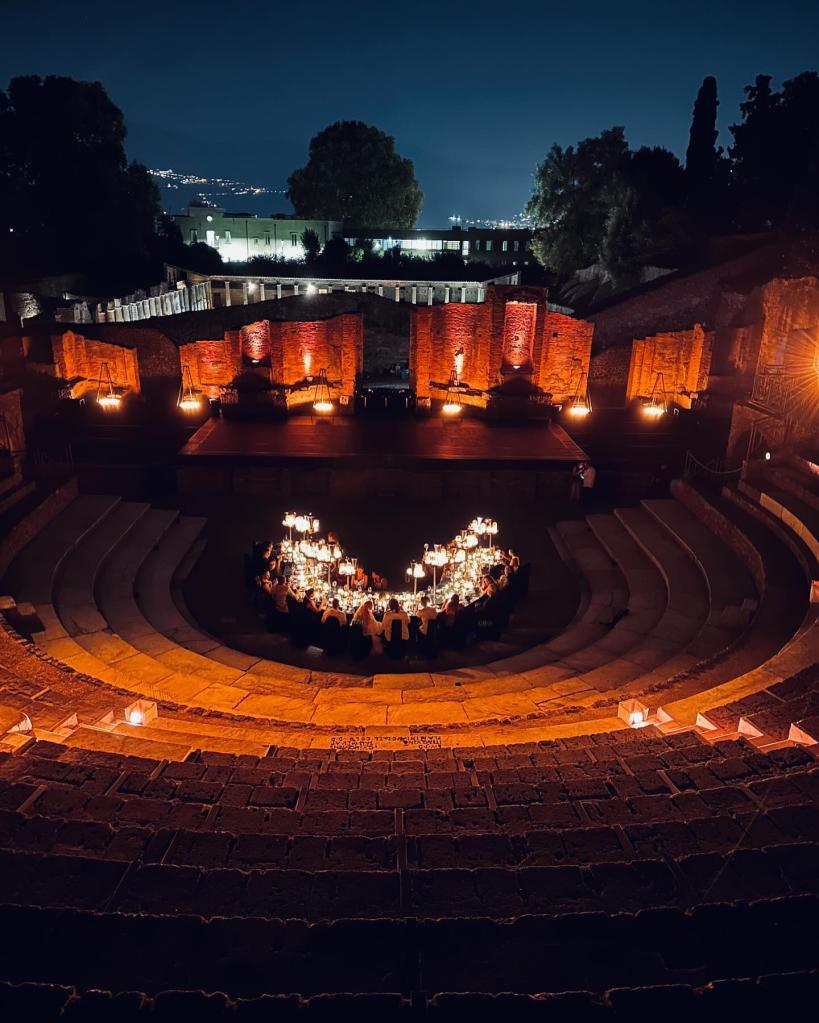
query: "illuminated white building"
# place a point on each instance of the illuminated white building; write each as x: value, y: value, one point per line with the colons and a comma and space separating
x: 238, y: 237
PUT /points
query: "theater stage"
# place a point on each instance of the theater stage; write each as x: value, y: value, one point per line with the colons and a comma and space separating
x: 391, y: 441
x: 374, y: 456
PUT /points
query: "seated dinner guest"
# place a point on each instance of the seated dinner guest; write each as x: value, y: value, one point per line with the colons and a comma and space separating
x: 488, y: 586
x: 265, y: 583
x: 395, y: 614
x: 334, y: 611
x: 370, y: 626
x: 361, y: 580
x: 426, y: 614
x: 281, y: 593
x: 452, y: 609
x: 311, y: 602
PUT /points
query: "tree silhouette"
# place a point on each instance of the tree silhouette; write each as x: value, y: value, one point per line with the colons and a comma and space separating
x: 354, y: 174
x: 775, y: 155
x: 69, y: 199
x: 312, y: 245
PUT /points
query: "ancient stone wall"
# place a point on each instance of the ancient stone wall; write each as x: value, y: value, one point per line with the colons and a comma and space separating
x: 678, y: 302
x: 790, y: 319
x: 512, y: 333
x: 446, y: 338
x: 282, y: 353
x: 81, y: 359
x: 212, y: 364
x: 674, y: 363
x: 565, y: 355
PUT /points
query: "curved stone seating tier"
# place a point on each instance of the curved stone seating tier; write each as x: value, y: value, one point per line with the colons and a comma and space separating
x: 31, y: 578
x: 796, y: 513
x: 630, y: 563
x: 311, y: 872
x: 218, y: 862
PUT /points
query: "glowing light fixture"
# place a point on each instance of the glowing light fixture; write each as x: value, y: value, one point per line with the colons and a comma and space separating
x: 436, y: 557
x: 347, y: 568
x: 107, y: 396
x: 310, y: 289
x: 451, y: 406
x: 655, y: 406
x: 580, y: 403
x: 415, y: 572
x: 135, y: 716
x: 633, y: 713
x: 322, y: 402
x: 289, y: 521
x: 767, y: 456
x: 188, y: 400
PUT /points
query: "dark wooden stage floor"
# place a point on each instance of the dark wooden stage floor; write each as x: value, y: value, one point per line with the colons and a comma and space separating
x: 369, y: 441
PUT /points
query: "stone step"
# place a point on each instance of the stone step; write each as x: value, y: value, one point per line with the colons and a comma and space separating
x: 33, y: 572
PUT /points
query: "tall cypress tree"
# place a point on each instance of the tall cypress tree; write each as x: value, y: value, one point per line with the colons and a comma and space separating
x: 701, y: 156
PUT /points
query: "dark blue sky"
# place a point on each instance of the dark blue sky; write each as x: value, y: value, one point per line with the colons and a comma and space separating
x: 474, y: 92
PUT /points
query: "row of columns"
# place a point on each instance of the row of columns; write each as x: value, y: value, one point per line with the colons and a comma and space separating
x: 249, y: 286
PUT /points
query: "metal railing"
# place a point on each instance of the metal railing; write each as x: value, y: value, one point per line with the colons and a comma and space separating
x: 713, y: 470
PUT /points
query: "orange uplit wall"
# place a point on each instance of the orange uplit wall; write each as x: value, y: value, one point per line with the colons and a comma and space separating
x: 81, y: 359
x: 446, y: 337
x: 676, y: 363
x: 286, y: 353
x: 513, y: 327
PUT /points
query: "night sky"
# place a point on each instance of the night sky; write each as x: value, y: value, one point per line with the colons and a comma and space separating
x: 474, y: 92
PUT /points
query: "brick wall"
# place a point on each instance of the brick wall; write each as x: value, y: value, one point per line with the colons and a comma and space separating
x: 513, y: 327
x: 680, y: 302
x: 566, y: 354
x: 790, y: 314
x: 79, y: 357
x: 677, y: 362
x: 285, y: 353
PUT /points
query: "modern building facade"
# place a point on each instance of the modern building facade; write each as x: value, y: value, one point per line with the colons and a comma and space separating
x: 238, y: 237
x: 493, y: 246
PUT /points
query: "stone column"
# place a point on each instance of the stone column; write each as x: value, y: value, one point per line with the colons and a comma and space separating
x: 227, y: 292
x: 381, y: 290
x: 295, y: 289
x: 245, y: 293
x: 463, y: 295
x: 446, y: 295
x: 414, y: 293
x: 398, y: 294
x: 261, y: 291
x: 430, y: 293
x: 278, y: 289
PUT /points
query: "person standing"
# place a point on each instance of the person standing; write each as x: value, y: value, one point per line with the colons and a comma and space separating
x: 589, y: 479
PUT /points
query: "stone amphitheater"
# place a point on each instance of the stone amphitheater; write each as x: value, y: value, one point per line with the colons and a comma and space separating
x: 620, y: 823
